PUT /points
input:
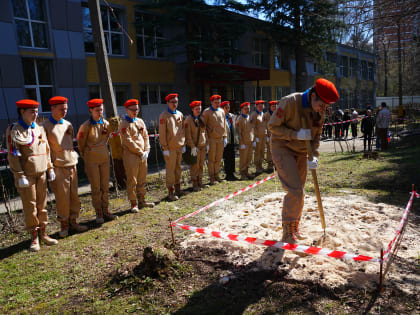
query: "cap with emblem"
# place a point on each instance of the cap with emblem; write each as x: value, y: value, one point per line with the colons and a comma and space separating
x: 170, y: 96
x: 273, y: 102
x: 131, y: 102
x: 195, y: 103
x: 95, y: 102
x: 326, y: 91
x: 259, y: 102
x: 223, y: 104
x: 245, y: 104
x: 27, y: 104
x: 56, y: 100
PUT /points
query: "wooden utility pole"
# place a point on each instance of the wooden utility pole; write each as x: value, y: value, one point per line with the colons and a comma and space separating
x: 102, y: 59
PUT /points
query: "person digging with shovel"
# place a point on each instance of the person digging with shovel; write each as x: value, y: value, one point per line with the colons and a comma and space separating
x: 296, y: 128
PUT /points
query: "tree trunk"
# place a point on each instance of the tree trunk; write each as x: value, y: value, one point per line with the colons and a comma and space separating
x: 400, y: 93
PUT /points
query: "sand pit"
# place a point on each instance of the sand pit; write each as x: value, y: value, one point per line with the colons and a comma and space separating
x: 353, y: 225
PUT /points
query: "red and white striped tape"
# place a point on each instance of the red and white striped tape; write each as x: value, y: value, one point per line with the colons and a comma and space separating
x: 343, y: 122
x: 270, y: 243
x: 236, y: 193
x: 116, y: 133
x: 402, y: 222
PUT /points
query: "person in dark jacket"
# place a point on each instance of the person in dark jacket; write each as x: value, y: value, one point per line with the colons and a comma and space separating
x: 367, y: 129
x: 346, y: 125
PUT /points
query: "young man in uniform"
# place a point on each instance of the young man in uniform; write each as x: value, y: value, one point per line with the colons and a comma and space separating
x: 260, y: 135
x: 136, y: 148
x: 29, y: 159
x: 289, y: 149
x: 229, y: 151
x: 246, y: 140
x: 196, y: 139
x: 60, y: 136
x: 172, y: 141
x: 266, y: 118
x: 214, y: 119
x: 92, y: 140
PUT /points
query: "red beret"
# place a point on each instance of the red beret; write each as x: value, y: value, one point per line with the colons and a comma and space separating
x: 95, y: 102
x: 326, y: 91
x: 273, y: 102
x: 215, y: 97
x: 170, y: 96
x: 195, y: 103
x: 27, y: 104
x: 58, y: 100
x: 131, y: 102
x: 222, y: 104
x: 245, y: 104
x: 259, y: 102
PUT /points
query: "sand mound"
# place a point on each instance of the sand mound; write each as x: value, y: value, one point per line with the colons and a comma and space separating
x: 353, y: 225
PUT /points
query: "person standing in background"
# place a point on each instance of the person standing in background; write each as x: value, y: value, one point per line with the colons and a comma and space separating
x: 266, y: 118
x: 246, y: 140
x: 60, y: 134
x: 382, y: 123
x: 29, y: 159
x: 260, y: 135
x: 229, y: 151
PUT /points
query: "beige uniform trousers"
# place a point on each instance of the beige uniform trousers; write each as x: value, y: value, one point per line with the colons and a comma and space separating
x: 269, y: 158
x: 98, y: 175
x: 173, y: 167
x: 259, y: 153
x: 245, y: 158
x: 65, y: 190
x: 196, y: 170
x: 136, y: 171
x: 34, y: 201
x: 215, y: 156
x: 292, y: 170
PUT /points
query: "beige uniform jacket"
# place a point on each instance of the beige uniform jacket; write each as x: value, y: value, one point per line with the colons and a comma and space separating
x: 258, y: 122
x: 215, y: 123
x: 266, y: 119
x: 134, y: 136
x: 60, y: 138
x: 92, y: 141
x: 191, y: 131
x: 171, y: 130
x: 32, y: 145
x: 245, y: 130
x: 286, y: 121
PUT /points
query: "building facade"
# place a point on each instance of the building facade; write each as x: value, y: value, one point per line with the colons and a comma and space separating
x: 49, y: 51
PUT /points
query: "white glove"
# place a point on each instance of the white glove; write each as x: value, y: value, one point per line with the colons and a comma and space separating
x: 207, y: 148
x: 254, y: 144
x: 224, y: 142
x: 145, y: 155
x: 183, y: 149
x: 304, y: 134
x: 194, y: 151
x: 243, y: 146
x: 257, y: 139
x: 268, y: 139
x: 23, y: 182
x: 312, y: 165
x: 51, y: 175
x: 166, y: 152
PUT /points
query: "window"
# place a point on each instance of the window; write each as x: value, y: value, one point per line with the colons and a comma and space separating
x: 343, y: 98
x: 37, y: 75
x: 149, y: 37
x: 31, y: 24
x: 112, y: 32
x: 281, y: 92
x: 121, y: 92
x: 153, y: 94
x: 344, y: 66
x: 364, y: 70
x: 370, y: 71
x: 263, y: 93
x: 258, y: 54
x: 353, y: 67
x: 281, y: 58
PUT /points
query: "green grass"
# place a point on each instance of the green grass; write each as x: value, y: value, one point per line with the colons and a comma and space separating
x: 76, y: 276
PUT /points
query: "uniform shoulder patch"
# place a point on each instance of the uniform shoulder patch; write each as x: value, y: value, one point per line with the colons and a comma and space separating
x: 80, y: 135
x: 123, y: 130
x: 279, y: 112
x: 161, y: 121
